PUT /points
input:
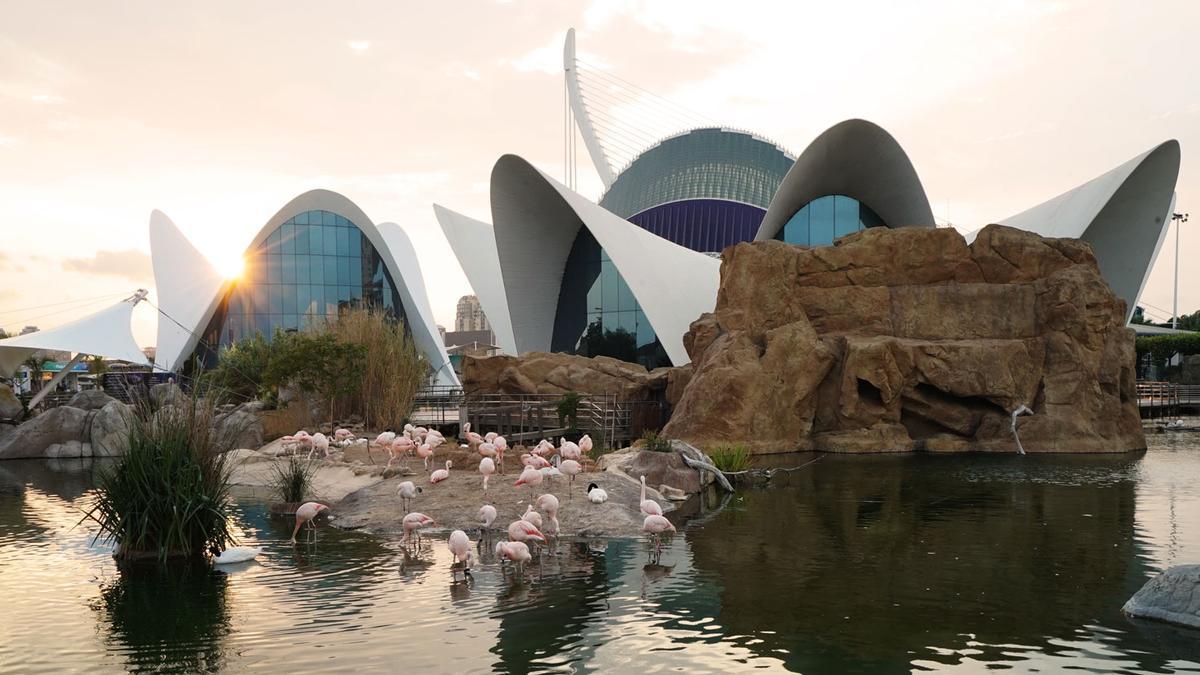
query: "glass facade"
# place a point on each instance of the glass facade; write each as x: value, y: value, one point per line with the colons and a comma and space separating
x: 700, y: 164
x: 597, y: 314
x: 826, y: 218
x: 305, y: 272
x: 705, y: 225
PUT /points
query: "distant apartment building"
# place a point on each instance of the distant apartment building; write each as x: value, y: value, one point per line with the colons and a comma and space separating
x: 470, y: 315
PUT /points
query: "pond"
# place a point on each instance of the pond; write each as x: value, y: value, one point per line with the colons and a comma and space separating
x: 873, y: 564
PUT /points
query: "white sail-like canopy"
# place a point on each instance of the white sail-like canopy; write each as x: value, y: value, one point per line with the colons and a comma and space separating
x: 105, y: 333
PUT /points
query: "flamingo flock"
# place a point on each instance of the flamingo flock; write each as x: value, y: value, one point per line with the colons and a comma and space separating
x: 540, y: 465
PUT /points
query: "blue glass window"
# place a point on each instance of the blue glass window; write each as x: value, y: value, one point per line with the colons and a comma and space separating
x: 821, y: 221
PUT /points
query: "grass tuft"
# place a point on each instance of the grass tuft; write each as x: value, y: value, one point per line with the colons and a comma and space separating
x: 292, y: 480
x: 653, y: 442
x: 729, y: 458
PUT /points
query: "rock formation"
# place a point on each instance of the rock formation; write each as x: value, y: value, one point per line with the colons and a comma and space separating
x: 1171, y: 597
x: 909, y: 339
x: 10, y: 405
x: 549, y: 373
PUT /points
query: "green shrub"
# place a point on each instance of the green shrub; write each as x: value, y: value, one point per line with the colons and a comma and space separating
x: 1163, y: 347
x: 654, y: 443
x: 730, y: 458
x: 292, y: 480
x: 168, y: 494
x: 241, y: 368
x: 568, y: 409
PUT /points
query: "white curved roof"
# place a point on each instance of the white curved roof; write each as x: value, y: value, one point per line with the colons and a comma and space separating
x: 104, y: 333
x: 190, y: 290
x: 858, y: 159
x: 474, y: 244
x: 1123, y: 214
x: 536, y: 220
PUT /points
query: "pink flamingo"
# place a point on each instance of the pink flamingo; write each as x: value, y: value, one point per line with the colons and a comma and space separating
x: 569, y: 450
x: 425, y: 451
x: 649, y: 507
x: 571, y: 468
x: 585, y: 444
x: 408, y: 491
x: 531, y: 516
x: 473, y: 439
x: 460, y: 547
x: 413, y: 522
x: 342, y: 434
x: 513, y: 551
x: 544, y: 447
x: 319, y: 443
x: 525, y: 531
x: 531, y: 477
x: 399, y: 447
x: 440, y: 475
x: 383, y: 440
x: 656, y: 526
x: 536, y: 461
x: 305, y: 514
x: 302, y: 439
x: 486, y: 467
x: 487, y: 449
x: 487, y: 516
x: 549, y: 504
x: 490, y: 436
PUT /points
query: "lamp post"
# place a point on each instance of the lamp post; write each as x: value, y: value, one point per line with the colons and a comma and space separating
x: 1181, y: 218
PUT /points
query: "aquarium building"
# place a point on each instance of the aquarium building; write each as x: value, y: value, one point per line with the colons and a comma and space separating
x: 316, y: 257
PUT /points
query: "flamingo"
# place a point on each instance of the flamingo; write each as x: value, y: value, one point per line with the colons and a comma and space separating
x: 383, y: 440
x: 544, y: 447
x: 536, y: 461
x: 531, y: 477
x: 571, y: 468
x: 305, y: 514
x: 486, y: 467
x: 490, y: 436
x: 501, y: 445
x: 413, y: 522
x: 596, y: 494
x: 585, y: 444
x: 487, y: 449
x: 302, y: 440
x: 342, y: 435
x: 569, y: 450
x: 549, y: 504
x: 233, y: 555
x: 525, y: 531
x: 473, y: 439
x: 400, y: 446
x: 649, y: 507
x: 425, y: 451
x: 320, y: 442
x: 513, y: 551
x: 440, y: 475
x: 460, y: 547
x: 408, y: 492
x: 532, y: 517
x: 487, y: 516
x: 656, y: 526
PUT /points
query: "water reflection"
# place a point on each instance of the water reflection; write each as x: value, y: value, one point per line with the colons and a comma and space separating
x: 175, y: 617
x: 865, y: 562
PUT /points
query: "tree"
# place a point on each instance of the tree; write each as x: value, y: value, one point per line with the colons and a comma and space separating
x: 97, y: 366
x: 316, y: 362
x: 241, y: 368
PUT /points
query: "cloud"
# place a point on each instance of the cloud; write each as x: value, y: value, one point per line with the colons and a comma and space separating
x: 359, y: 46
x: 130, y: 264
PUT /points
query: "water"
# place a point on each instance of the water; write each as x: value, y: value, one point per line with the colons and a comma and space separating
x: 854, y: 564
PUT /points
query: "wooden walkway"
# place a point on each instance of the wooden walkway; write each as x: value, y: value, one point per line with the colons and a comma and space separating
x: 1164, y: 399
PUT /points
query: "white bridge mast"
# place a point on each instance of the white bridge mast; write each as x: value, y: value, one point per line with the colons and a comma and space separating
x: 586, y: 130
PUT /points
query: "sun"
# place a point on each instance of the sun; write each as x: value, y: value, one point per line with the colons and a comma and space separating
x: 229, y: 266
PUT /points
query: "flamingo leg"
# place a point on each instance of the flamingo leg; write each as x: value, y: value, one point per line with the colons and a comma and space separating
x: 298, y: 524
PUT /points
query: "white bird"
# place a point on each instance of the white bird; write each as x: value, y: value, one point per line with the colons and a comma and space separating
x: 571, y: 468
x: 569, y: 450
x: 596, y: 494
x: 532, y: 517
x: 649, y: 507
x: 235, y: 554
x: 1021, y: 410
x: 441, y: 474
x: 408, y: 491
x: 320, y: 442
x: 460, y: 547
x: 487, y: 516
x: 486, y: 467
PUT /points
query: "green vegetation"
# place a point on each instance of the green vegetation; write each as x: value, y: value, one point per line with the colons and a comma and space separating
x: 568, y: 409
x: 168, y: 494
x: 1163, y: 347
x: 331, y: 363
x: 729, y: 458
x: 654, y: 443
x: 97, y: 366
x: 292, y: 480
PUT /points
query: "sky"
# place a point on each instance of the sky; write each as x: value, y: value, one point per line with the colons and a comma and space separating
x: 218, y: 113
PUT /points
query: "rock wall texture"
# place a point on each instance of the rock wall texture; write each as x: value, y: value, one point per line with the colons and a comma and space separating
x: 911, y: 340
x: 549, y: 373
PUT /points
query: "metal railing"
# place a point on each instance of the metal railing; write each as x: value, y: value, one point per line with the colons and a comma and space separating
x: 528, y: 418
x: 1165, y: 399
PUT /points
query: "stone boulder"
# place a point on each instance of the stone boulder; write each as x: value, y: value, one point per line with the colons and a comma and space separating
x: 659, y: 468
x: 550, y: 373
x: 167, y: 393
x: 10, y: 405
x: 242, y: 429
x: 1173, y: 596
x: 907, y: 340
x: 110, y: 429
x: 90, y: 399
x: 59, y: 426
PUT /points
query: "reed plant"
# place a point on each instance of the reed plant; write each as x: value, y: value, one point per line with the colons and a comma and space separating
x: 652, y: 441
x: 395, y: 370
x: 730, y: 458
x: 167, y: 496
x: 292, y: 480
